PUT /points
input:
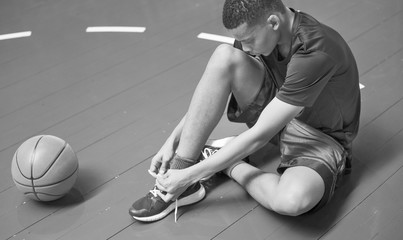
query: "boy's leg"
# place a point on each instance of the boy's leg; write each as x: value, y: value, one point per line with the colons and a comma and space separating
x: 229, y: 70
x: 295, y: 192
x: 311, y: 164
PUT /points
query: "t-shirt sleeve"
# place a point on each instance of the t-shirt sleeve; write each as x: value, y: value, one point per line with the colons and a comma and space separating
x: 307, y: 75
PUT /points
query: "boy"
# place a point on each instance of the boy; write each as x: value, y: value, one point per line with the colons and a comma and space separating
x: 290, y: 78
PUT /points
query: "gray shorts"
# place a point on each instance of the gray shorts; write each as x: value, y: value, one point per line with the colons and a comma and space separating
x: 300, y: 144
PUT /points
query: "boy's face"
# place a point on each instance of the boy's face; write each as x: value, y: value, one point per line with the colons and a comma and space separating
x: 256, y: 40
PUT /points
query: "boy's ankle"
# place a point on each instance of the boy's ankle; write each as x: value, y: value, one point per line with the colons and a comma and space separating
x: 229, y: 169
x: 179, y: 162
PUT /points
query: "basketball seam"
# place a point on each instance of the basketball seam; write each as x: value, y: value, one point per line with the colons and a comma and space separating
x: 48, y: 185
x: 54, y: 161
x: 47, y: 194
x: 18, y: 166
x: 32, y: 167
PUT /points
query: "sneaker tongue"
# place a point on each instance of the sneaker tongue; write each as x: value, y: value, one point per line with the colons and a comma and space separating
x: 154, y: 198
x: 153, y: 194
x: 154, y: 191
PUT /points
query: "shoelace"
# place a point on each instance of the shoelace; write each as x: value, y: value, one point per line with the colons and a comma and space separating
x: 176, y: 210
x: 155, y: 191
x: 207, y: 152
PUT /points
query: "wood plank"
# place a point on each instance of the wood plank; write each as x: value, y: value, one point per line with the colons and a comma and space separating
x: 54, y: 29
x: 363, y: 16
x: 121, y: 48
x: 122, y: 141
x: 115, y: 132
x: 97, y: 122
x: 383, y: 88
x: 377, y: 147
x: 71, y: 76
x: 53, y: 103
x: 382, y: 42
x: 113, y: 199
x: 65, y: 106
x: 96, y: 169
x: 67, y: 20
x: 368, y: 174
x: 309, y: 226
x: 322, y: 10
x: 85, y: 183
x: 380, y: 216
x: 223, y: 205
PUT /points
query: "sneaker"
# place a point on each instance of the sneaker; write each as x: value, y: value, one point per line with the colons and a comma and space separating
x: 206, y: 152
x: 211, y: 147
x: 153, y: 208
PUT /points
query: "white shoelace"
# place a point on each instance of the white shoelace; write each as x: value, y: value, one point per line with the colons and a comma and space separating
x: 207, y: 152
x: 176, y: 210
x: 155, y: 191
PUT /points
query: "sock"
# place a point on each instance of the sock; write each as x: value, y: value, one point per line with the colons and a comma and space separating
x: 179, y: 162
x: 228, y: 170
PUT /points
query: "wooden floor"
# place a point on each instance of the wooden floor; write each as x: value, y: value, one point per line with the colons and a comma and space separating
x: 115, y: 97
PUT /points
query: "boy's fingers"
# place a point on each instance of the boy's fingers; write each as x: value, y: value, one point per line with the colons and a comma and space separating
x: 152, y: 173
x: 155, y: 165
x: 163, y: 167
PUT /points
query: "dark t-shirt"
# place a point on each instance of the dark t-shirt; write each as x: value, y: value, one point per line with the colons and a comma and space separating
x: 319, y: 73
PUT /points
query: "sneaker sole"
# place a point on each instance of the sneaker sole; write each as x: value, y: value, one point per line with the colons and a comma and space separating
x: 191, y: 199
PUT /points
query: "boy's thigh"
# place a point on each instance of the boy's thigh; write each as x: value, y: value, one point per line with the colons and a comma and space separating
x: 302, y: 145
x: 248, y: 76
x: 249, y: 97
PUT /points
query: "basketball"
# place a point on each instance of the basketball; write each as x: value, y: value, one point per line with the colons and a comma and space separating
x: 44, y: 168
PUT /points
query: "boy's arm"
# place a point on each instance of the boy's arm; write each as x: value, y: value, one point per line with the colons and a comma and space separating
x: 273, y: 118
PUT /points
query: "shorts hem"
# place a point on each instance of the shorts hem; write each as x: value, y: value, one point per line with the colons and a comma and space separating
x: 327, y: 175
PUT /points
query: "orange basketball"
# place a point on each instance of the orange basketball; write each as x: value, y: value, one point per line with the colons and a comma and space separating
x: 44, y: 168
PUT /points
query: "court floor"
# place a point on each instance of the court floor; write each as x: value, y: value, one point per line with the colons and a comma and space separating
x: 115, y: 97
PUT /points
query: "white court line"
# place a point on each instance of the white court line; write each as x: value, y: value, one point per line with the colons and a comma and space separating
x: 116, y: 29
x: 15, y: 35
x: 217, y: 38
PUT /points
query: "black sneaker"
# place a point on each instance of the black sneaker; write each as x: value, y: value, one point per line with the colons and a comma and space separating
x: 206, y: 152
x: 211, y: 147
x: 153, y: 208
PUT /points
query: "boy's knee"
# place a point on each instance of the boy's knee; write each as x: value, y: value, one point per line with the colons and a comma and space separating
x: 238, y: 64
x: 227, y: 55
x: 292, y: 203
x: 224, y: 51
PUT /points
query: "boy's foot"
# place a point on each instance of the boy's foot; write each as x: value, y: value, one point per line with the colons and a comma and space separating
x: 211, y: 147
x: 153, y: 208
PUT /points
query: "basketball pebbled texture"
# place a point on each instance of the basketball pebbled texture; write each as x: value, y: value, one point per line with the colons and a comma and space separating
x: 44, y: 168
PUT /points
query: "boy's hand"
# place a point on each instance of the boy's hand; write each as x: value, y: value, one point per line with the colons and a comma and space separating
x: 161, y: 160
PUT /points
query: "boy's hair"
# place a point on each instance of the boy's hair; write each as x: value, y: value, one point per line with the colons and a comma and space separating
x: 251, y: 12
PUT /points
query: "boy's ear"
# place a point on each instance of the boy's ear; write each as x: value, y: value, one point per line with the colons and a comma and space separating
x: 273, y: 21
